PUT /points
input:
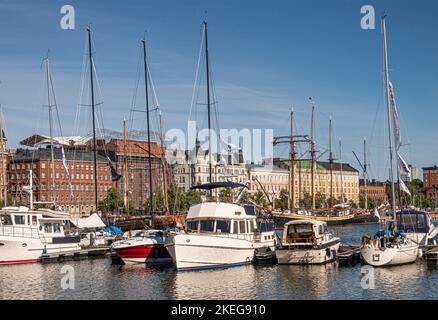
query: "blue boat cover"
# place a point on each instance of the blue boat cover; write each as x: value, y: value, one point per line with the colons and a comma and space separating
x: 391, y: 233
x: 113, y: 230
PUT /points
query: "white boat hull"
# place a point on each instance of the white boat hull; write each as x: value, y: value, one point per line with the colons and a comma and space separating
x: 377, y: 257
x: 290, y: 255
x: 198, y: 251
x: 16, y: 251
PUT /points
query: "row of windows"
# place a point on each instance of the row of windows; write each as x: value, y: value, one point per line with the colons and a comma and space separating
x: 57, y: 166
x: 221, y: 226
x: 62, y: 176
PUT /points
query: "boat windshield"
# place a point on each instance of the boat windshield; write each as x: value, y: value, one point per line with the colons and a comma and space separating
x: 5, y: 220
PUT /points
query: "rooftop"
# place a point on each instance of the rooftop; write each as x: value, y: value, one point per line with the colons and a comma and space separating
x: 45, y: 154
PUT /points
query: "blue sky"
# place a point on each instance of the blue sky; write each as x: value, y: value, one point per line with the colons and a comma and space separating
x: 267, y: 56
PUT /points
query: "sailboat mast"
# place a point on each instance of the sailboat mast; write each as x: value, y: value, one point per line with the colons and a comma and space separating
x: 163, y: 161
x: 148, y: 125
x: 391, y: 172
x: 365, y: 173
x: 312, y: 151
x: 49, y: 105
x: 292, y: 165
x: 126, y: 181
x: 331, y: 158
x: 342, y: 174
x: 3, y: 147
x: 208, y: 102
x: 93, y: 115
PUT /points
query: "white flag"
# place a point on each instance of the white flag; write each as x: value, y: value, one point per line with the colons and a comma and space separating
x: 403, y: 167
x: 403, y: 187
x: 228, y: 146
x: 64, y: 163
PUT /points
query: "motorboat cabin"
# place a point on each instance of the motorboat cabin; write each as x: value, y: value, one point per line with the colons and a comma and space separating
x: 26, y: 234
x: 307, y: 242
x: 417, y: 225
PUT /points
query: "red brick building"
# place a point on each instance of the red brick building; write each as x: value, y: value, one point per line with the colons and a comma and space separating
x: 79, y: 200
x: 430, y: 182
x: 137, y: 154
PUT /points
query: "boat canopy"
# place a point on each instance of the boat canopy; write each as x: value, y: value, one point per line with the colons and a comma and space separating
x: 218, y: 210
x: 215, y: 185
x: 411, y: 220
x: 91, y: 222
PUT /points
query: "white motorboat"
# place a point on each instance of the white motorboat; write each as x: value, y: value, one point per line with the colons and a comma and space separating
x: 307, y: 242
x: 26, y: 234
x: 218, y: 234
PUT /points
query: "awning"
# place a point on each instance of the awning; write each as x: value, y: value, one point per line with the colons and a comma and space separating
x: 215, y: 185
x: 91, y: 222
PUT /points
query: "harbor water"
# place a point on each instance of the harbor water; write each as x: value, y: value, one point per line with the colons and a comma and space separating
x: 99, y: 279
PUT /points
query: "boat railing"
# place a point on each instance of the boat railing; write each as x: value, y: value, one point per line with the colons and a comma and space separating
x: 19, y: 232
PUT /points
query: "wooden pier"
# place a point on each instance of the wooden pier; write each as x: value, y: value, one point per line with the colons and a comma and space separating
x: 76, y: 254
x: 348, y: 255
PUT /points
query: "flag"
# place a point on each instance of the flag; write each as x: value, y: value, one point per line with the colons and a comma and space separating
x: 228, y: 146
x: 403, y: 167
x: 115, y: 176
x: 403, y: 187
x: 395, y: 117
x: 65, y: 165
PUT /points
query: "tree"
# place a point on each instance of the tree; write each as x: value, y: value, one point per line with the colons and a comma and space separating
x: 283, y: 200
x: 320, y: 200
x: 306, y: 201
x: 112, y: 202
x: 260, y: 199
x: 225, y: 195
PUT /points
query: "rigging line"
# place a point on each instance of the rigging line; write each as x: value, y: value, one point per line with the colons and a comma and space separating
x: 197, y: 72
x: 136, y: 86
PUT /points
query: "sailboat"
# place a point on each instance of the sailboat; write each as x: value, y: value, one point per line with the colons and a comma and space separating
x: 26, y: 233
x: 389, y: 246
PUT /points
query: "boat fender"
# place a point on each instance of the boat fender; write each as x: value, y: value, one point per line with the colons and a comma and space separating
x: 420, y: 253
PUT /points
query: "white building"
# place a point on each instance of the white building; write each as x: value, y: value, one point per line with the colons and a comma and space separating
x: 190, y: 168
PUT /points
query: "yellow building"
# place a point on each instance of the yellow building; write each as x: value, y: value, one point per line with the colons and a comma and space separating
x: 345, y: 179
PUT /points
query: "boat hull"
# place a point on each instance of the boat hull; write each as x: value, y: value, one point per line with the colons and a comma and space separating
x: 149, y: 254
x: 312, y: 255
x: 17, y: 251
x: 377, y: 257
x: 195, y: 251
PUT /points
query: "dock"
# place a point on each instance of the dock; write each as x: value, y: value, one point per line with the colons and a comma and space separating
x: 348, y: 255
x: 101, y: 251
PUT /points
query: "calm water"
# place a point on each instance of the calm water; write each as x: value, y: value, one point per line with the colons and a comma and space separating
x: 98, y: 279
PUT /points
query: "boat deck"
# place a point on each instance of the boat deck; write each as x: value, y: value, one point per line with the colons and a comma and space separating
x: 101, y: 251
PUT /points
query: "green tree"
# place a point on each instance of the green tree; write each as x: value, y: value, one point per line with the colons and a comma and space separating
x: 320, y: 200
x: 112, y: 202
x: 283, y: 200
x: 225, y: 195
x: 259, y: 198
x: 306, y: 201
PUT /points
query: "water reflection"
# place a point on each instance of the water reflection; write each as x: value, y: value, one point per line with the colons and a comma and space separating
x: 99, y: 279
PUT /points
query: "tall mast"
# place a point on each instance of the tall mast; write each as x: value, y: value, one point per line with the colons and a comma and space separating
x: 208, y: 102
x: 292, y: 165
x: 391, y: 172
x: 126, y: 173
x: 365, y: 174
x: 3, y: 147
x: 163, y: 161
x: 331, y: 159
x: 342, y: 174
x: 148, y: 125
x: 93, y: 115
x: 312, y: 152
x: 49, y: 105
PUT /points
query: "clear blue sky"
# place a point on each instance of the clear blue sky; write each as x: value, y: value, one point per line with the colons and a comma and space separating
x: 266, y: 55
